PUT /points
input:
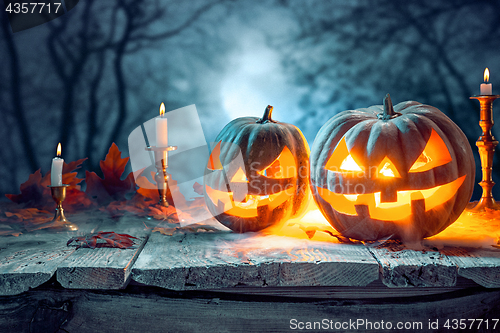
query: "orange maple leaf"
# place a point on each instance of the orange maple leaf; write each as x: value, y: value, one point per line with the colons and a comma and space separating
x: 111, y: 187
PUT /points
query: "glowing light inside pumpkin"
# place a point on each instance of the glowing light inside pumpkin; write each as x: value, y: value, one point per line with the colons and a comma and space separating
x: 348, y: 164
x: 422, y: 160
x: 282, y: 167
x: 434, y: 154
x: 391, y: 211
x: 248, y: 206
x: 486, y: 74
x: 239, y: 177
x: 237, y: 201
x: 341, y: 159
x: 387, y: 169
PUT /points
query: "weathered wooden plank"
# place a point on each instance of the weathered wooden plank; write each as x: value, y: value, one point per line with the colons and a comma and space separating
x: 480, y: 265
x: 104, y: 267
x: 403, y: 267
x: 29, y: 260
x: 150, y: 311
x: 100, y: 268
x: 374, y: 291
x: 218, y: 260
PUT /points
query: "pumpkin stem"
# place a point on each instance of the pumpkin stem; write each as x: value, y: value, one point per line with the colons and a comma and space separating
x: 389, y: 112
x: 388, y: 109
x: 267, y: 116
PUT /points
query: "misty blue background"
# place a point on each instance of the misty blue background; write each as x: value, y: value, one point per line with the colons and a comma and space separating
x: 91, y: 76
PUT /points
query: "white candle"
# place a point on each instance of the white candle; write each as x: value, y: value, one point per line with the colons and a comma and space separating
x: 486, y: 88
x: 56, y: 169
x: 161, y: 128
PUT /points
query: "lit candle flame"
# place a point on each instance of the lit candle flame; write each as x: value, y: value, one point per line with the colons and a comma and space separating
x: 486, y: 74
x: 162, y: 109
x: 59, y: 150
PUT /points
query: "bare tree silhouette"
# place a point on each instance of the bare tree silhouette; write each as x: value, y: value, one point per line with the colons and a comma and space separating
x: 419, y: 49
x: 350, y: 53
x: 16, y: 85
x: 136, y: 36
x: 82, y: 83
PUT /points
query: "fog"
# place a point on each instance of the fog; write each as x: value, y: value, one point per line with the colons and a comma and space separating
x: 91, y: 76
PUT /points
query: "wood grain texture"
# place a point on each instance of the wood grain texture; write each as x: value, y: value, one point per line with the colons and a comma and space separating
x: 99, y: 268
x: 402, y: 267
x: 29, y: 260
x: 217, y: 260
x: 149, y: 311
x: 374, y: 291
x: 480, y: 265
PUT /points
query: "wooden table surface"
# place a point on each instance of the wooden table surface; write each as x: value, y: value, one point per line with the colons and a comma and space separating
x: 221, y: 259
x: 202, y: 279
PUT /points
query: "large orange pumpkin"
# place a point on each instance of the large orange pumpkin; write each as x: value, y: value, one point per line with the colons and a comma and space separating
x: 257, y: 174
x: 405, y: 171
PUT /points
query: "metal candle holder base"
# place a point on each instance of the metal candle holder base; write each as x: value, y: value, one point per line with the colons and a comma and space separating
x: 161, y: 176
x: 486, y: 145
x: 59, y: 221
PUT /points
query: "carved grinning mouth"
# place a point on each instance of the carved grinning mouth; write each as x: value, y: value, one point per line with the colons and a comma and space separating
x: 248, y: 206
x: 391, y: 211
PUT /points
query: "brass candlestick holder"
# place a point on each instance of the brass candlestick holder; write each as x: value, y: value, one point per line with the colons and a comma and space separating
x: 486, y: 145
x: 161, y: 176
x: 59, y: 221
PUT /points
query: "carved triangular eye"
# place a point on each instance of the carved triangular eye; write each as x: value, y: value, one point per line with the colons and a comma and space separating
x: 239, y: 177
x: 349, y: 164
x: 214, y: 160
x: 434, y: 154
x: 387, y: 169
x: 341, y: 160
x: 282, y: 167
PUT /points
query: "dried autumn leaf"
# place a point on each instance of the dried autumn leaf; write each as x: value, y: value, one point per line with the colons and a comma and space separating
x: 112, y: 239
x: 27, y: 213
x: 149, y: 190
x: 163, y: 213
x: 111, y: 187
x: 198, y: 188
x: 69, y: 173
x: 35, y: 192
x: 119, y: 208
x: 76, y: 200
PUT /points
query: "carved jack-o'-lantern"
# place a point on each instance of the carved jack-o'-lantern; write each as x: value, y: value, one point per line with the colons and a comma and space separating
x: 405, y: 172
x: 257, y: 174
